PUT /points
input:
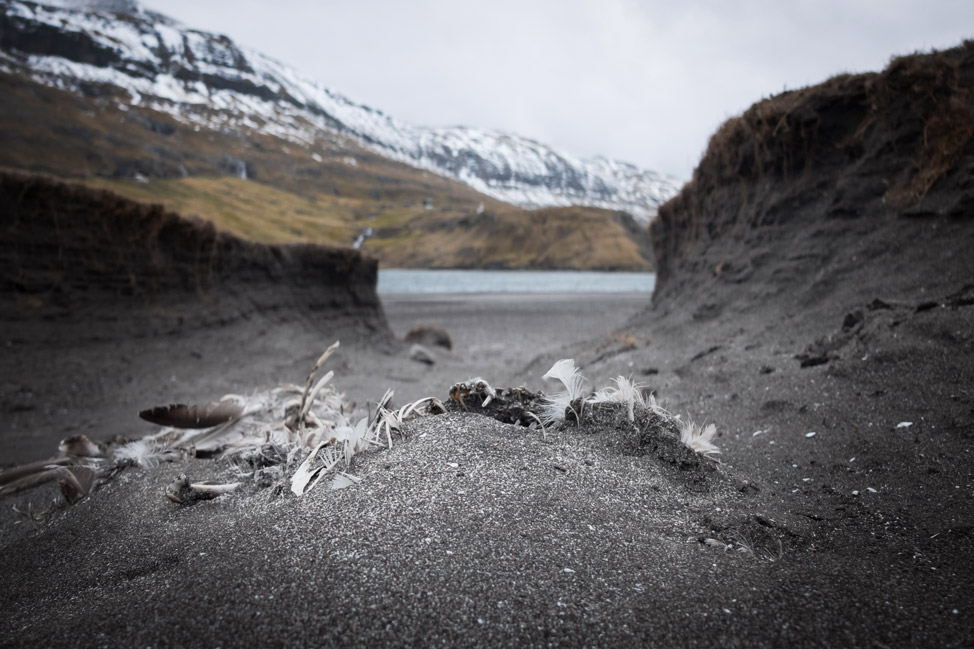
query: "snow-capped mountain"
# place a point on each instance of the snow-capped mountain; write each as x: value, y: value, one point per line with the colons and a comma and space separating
x: 205, y: 79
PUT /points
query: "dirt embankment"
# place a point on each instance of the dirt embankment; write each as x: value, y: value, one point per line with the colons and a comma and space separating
x: 107, y: 305
x: 830, y: 196
x: 94, y: 266
x: 815, y: 299
x: 816, y: 276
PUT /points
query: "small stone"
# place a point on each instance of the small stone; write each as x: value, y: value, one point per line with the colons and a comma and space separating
x: 429, y: 335
x: 421, y: 354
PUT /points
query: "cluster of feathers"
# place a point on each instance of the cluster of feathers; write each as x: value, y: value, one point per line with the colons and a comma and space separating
x: 299, y: 431
x: 624, y: 391
x: 313, y: 440
x: 296, y: 434
x: 299, y: 435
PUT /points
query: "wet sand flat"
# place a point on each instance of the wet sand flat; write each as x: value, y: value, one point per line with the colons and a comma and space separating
x: 497, y: 335
x: 56, y: 388
x: 471, y: 532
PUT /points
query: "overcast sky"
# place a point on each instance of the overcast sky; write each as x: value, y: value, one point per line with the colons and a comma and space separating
x: 642, y: 81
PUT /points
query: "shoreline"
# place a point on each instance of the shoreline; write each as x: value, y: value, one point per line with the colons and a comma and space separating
x: 628, y: 296
x: 400, y: 281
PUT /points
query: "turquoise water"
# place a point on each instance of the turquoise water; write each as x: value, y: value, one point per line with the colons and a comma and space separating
x: 397, y: 281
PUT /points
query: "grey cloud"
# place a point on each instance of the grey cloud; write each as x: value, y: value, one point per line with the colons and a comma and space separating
x: 646, y: 82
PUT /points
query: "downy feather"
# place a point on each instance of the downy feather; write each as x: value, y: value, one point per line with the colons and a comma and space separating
x: 699, y: 440
x: 145, y: 452
x: 555, y: 405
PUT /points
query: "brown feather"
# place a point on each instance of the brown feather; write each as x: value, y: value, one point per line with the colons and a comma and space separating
x: 13, y: 474
x: 207, y: 415
x: 297, y: 421
x: 75, y: 482
x: 81, y: 446
x: 31, y: 480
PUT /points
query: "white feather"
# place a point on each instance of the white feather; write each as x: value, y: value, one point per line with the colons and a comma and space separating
x: 569, y: 376
x: 342, y: 480
x: 319, y: 386
x: 699, y: 440
x: 145, y: 452
x: 625, y: 391
x: 305, y: 478
x: 554, y: 406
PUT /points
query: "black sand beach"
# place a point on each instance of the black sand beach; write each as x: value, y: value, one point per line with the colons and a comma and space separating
x: 476, y: 533
x: 814, y: 302
x: 65, y: 388
x: 496, y: 335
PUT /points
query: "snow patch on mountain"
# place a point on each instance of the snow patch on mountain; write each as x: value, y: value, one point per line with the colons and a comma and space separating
x: 205, y: 79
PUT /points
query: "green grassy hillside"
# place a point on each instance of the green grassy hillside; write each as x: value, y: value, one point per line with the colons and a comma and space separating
x: 328, y: 191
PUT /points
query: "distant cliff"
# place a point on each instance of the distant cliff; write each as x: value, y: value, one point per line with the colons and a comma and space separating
x: 111, y: 266
x: 859, y: 183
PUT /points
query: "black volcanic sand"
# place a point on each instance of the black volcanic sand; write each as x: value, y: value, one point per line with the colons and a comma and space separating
x: 474, y: 532
x: 61, y: 388
x: 815, y: 302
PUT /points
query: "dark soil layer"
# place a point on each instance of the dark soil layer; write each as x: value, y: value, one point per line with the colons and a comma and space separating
x: 842, y: 188
x: 114, y: 267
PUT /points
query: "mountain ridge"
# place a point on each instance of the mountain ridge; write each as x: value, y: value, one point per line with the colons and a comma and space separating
x: 204, y: 79
x: 269, y: 190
